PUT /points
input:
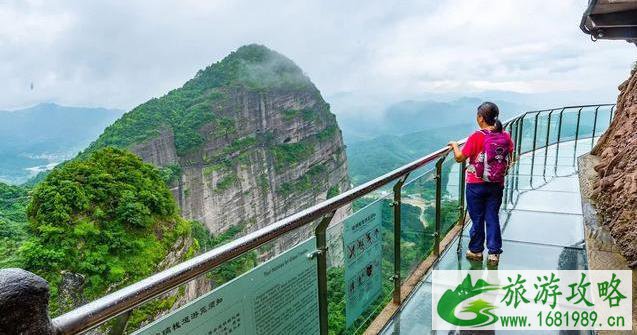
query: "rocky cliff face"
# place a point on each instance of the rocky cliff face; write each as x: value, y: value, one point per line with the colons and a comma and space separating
x: 616, y: 190
x: 249, y: 140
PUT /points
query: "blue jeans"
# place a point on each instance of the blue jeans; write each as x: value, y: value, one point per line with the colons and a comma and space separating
x: 483, y: 204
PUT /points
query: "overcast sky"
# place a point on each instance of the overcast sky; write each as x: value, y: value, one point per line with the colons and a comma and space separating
x: 121, y: 53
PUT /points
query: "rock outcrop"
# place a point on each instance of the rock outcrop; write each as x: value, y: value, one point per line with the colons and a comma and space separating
x: 616, y: 190
x: 249, y: 140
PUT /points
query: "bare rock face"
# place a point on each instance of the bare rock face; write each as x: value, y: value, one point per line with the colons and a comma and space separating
x: 70, y: 290
x: 160, y: 150
x: 264, y: 182
x: 268, y: 146
x: 616, y: 190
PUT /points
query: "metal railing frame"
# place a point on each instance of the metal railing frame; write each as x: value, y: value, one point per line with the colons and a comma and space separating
x: 124, y: 300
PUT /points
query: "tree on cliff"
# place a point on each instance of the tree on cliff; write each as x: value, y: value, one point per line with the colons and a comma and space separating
x: 109, y: 217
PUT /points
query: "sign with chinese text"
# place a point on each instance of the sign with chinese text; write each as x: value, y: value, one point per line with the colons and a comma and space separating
x: 277, y: 297
x: 532, y: 300
x: 363, y: 247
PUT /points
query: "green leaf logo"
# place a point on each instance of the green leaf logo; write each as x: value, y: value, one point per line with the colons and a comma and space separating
x: 451, y: 301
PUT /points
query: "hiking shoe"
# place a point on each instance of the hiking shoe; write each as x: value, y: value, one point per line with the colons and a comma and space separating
x: 493, y: 259
x: 474, y: 256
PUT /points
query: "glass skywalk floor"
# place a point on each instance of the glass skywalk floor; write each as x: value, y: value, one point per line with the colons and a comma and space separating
x: 542, y: 228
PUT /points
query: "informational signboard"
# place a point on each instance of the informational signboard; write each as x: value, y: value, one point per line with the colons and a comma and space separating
x: 363, y: 247
x: 277, y: 297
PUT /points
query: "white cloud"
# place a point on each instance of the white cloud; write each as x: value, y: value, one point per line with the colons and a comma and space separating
x: 119, y: 54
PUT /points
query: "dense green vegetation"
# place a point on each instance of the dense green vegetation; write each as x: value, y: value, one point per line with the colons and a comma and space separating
x: 307, y: 114
x: 289, y: 154
x: 304, y: 183
x: 13, y: 220
x: 370, y: 159
x: 231, y: 269
x: 333, y: 191
x: 109, y: 217
x: 171, y: 173
x: 185, y: 110
x: 226, y: 182
x: 416, y: 242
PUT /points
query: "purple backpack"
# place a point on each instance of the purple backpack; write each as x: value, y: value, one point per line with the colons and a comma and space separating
x: 492, y: 163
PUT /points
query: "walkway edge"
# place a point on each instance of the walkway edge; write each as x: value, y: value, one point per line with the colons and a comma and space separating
x: 410, y: 285
x: 601, y: 251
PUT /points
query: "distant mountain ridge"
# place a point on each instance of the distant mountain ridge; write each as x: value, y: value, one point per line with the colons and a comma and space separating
x: 410, y: 116
x: 36, y: 138
x: 372, y: 158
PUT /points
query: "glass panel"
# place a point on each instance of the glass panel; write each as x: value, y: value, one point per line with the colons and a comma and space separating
x: 587, y: 118
x: 555, y: 121
x: 518, y: 256
x: 565, y: 230
x: 558, y: 202
x: 603, y: 120
x: 417, y: 221
x: 450, y: 213
x: 278, y: 296
x: 562, y: 184
x: 528, y: 128
x: 539, y: 169
x: 415, y: 317
x: 538, y: 200
x: 204, y: 284
x: 351, y: 316
x: 569, y: 124
x: 542, y: 128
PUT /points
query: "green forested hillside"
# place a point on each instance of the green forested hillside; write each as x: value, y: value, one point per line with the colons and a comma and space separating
x: 109, y: 217
x: 13, y: 220
x: 186, y: 109
x: 370, y: 159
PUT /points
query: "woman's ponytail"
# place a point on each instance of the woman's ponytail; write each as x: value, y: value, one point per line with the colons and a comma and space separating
x: 490, y: 112
x: 497, y: 127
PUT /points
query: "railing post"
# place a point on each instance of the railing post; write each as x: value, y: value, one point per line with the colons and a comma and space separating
x: 594, y: 127
x: 512, y: 157
x: 559, y: 137
x: 579, y: 115
x: 24, y: 301
x: 396, y: 204
x: 515, y: 139
x: 521, y: 133
x: 461, y: 190
x: 534, y: 146
x: 461, y: 197
x: 518, y: 150
x: 321, y: 270
x: 438, y: 178
x: 546, y: 142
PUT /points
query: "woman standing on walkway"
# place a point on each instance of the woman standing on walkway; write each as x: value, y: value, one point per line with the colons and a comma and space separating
x: 488, y: 151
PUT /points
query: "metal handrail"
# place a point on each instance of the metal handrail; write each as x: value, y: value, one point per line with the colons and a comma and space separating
x: 103, y: 309
x: 98, y: 311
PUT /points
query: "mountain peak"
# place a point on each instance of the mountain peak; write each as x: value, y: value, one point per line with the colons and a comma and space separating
x: 253, y: 66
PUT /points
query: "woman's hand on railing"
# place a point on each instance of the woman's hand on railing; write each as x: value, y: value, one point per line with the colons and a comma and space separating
x: 456, y: 152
